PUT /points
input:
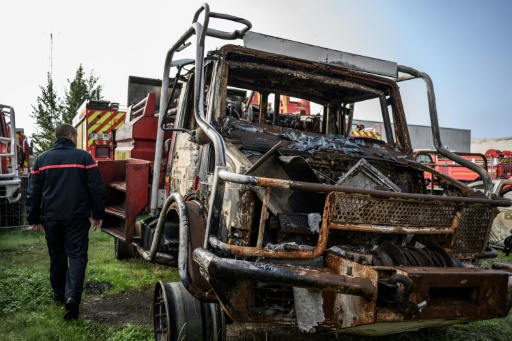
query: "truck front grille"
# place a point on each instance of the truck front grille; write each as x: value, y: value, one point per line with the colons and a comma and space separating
x: 467, y: 223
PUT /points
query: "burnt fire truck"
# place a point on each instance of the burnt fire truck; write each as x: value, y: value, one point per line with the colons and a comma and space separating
x: 315, y: 229
x: 96, y: 123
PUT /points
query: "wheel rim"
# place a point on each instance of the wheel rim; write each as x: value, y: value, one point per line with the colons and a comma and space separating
x: 161, y: 314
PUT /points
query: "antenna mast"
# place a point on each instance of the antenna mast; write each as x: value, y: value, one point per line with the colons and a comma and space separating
x: 51, y: 55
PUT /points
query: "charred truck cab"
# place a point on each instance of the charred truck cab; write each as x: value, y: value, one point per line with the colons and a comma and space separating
x: 302, y: 225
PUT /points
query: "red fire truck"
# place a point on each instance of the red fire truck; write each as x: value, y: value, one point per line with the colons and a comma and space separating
x: 24, y: 152
x: 96, y: 123
x: 10, y: 180
x: 287, y: 104
x: 500, y: 163
x: 373, y: 132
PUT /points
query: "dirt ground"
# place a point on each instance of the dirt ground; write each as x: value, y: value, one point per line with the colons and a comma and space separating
x: 117, y: 310
x: 136, y: 308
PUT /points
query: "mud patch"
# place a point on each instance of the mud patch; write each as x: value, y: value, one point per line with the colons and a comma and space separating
x: 115, y: 311
x: 96, y: 288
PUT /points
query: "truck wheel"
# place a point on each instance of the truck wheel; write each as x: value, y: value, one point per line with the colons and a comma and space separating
x: 178, y: 315
x: 123, y: 250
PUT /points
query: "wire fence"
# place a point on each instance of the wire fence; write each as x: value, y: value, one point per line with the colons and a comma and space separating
x: 13, y: 215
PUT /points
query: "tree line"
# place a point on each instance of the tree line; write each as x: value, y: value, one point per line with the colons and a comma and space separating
x: 51, y: 109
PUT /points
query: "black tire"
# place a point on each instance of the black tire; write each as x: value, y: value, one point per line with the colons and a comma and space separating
x: 123, y: 250
x: 178, y: 315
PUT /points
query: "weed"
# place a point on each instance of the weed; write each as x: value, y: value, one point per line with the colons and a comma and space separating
x: 131, y: 332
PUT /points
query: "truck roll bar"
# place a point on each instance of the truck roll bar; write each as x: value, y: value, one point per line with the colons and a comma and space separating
x: 436, y: 136
x: 201, y: 31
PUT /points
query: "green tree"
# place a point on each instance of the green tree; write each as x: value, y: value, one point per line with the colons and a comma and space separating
x: 47, y: 114
x: 80, y: 89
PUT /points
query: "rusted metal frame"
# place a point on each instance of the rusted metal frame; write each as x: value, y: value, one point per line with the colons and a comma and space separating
x: 325, y: 114
x: 391, y: 229
x: 332, y: 118
x: 303, y: 75
x: 350, y: 113
x: 283, y: 275
x: 250, y: 251
x: 277, y: 108
x: 387, y: 122
x: 325, y: 80
x: 263, y: 218
x: 325, y: 188
x: 215, y: 205
x: 402, y: 136
x: 218, y: 94
x: 342, y: 113
x: 263, y: 117
x: 488, y: 252
x: 436, y: 135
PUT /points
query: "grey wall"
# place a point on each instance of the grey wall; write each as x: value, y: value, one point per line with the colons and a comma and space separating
x: 482, y: 145
x: 458, y: 140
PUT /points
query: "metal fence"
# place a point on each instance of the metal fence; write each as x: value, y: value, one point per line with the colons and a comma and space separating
x: 14, y: 215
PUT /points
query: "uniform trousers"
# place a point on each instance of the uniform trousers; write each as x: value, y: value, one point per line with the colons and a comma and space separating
x: 68, y: 242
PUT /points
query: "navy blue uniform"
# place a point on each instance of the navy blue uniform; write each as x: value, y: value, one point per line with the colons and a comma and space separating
x: 65, y: 188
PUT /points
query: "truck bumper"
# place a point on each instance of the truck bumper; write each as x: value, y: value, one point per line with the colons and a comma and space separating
x: 354, y: 298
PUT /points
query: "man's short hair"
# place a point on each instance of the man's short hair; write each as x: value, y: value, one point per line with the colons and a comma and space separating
x: 63, y: 130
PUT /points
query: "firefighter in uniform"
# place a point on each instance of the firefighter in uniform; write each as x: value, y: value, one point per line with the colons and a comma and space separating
x: 64, y: 188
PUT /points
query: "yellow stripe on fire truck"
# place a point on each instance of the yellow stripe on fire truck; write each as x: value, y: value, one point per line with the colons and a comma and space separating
x: 98, y: 129
x: 370, y: 134
x: 94, y: 122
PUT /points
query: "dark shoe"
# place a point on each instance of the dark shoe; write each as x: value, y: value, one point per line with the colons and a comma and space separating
x: 72, y: 310
x: 59, y: 301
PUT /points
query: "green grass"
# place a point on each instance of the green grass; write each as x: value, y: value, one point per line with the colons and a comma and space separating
x: 27, y: 311
x: 495, y: 329
x: 47, y: 323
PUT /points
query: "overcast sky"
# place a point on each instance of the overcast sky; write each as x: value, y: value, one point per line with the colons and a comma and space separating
x: 464, y: 45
